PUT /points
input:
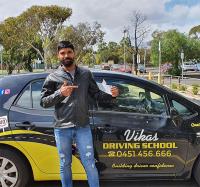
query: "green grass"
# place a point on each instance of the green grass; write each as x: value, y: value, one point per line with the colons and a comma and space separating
x: 195, y: 89
x: 195, y: 85
x: 182, y: 88
x: 174, y: 86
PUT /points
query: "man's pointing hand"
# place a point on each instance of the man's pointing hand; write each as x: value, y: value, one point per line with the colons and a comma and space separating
x: 66, y: 90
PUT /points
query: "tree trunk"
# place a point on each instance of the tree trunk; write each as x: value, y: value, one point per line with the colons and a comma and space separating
x: 135, y: 61
x: 38, y: 51
x: 29, y: 67
x: 45, y: 59
x: 136, y: 51
x: 18, y: 69
x: 10, y: 69
x: 135, y: 64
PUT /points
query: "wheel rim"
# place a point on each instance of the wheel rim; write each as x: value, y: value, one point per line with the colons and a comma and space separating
x: 8, y: 173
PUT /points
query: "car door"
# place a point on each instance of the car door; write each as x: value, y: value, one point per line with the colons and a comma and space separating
x: 134, y: 134
x: 32, y: 127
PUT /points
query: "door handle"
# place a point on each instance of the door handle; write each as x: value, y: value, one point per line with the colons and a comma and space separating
x: 25, y: 125
x: 49, y: 131
x: 108, y: 129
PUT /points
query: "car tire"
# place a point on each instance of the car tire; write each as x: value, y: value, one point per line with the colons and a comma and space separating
x: 196, y: 172
x: 13, y: 170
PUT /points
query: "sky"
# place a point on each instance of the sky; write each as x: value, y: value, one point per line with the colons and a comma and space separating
x: 115, y: 15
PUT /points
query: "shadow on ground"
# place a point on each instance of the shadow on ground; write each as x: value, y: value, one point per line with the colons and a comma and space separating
x: 190, y: 183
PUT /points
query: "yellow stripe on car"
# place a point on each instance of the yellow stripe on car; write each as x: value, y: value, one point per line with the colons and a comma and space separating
x: 44, y: 159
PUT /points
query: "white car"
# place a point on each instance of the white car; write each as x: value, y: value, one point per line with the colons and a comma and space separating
x: 190, y: 66
x: 198, y: 66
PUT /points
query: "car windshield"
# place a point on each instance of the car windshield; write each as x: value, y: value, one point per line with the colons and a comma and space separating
x: 189, y: 63
x: 140, y: 66
x: 115, y: 66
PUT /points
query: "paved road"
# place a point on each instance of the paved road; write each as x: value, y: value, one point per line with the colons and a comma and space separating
x: 190, y: 183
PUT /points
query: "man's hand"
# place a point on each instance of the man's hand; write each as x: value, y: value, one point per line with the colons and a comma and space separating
x: 67, y: 90
x: 114, y: 91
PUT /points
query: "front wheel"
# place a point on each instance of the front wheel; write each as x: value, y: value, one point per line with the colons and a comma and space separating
x: 13, y: 170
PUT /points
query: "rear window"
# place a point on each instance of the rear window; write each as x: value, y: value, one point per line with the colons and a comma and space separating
x: 30, y: 97
x: 25, y: 99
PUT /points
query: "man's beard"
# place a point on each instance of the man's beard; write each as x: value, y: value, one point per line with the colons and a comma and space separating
x: 67, y: 62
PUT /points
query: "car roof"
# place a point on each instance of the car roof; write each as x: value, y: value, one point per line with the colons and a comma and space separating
x: 189, y: 62
x: 22, y: 79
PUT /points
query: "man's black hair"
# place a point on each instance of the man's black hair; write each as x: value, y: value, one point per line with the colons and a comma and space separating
x: 65, y: 44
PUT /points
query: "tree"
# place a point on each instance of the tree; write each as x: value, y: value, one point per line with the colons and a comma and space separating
x: 195, y: 32
x: 109, y: 51
x: 16, y: 53
x: 42, y: 23
x: 84, y: 36
x: 172, y: 43
x: 114, y: 51
x: 126, y: 50
x: 88, y: 59
x: 193, y: 49
x: 103, y: 52
x: 138, y: 32
x: 33, y: 29
x: 10, y: 40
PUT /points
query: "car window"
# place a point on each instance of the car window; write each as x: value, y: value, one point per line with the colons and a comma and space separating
x: 30, y: 98
x: 133, y: 99
x: 25, y: 99
x: 181, y: 109
x: 36, y: 88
